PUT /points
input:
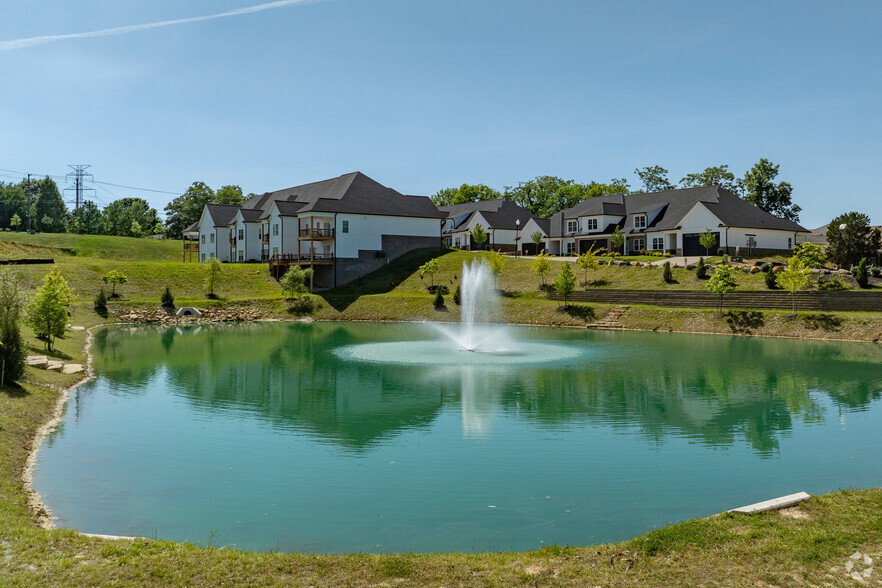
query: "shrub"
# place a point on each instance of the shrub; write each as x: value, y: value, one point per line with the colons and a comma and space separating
x: 456, y: 295
x: 861, y: 275
x: 101, y: 299
x: 167, y: 299
x: 720, y: 251
x: 668, y: 274
x: 876, y: 271
x: 771, y: 280
x: 439, y: 299
x: 12, y: 348
x: 701, y: 269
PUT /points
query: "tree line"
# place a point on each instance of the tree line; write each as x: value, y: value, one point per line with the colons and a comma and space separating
x: 547, y: 195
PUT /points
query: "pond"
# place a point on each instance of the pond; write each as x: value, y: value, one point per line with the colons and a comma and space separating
x: 289, y: 437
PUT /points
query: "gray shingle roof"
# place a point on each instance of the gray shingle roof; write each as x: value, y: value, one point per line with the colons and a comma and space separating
x: 222, y: 214
x: 499, y: 213
x: 674, y: 205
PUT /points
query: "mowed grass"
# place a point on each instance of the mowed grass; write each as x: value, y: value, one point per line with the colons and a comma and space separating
x: 103, y: 246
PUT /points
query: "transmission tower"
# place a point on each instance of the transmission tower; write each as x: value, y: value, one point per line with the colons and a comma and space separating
x: 76, y: 177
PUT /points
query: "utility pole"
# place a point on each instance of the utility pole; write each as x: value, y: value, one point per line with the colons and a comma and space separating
x: 28, y: 197
x: 78, y: 174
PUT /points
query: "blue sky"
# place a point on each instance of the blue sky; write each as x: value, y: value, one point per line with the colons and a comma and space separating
x: 425, y: 94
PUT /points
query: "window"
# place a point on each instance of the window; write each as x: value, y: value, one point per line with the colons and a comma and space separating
x: 211, y: 237
x: 345, y: 226
x: 275, y: 229
x: 638, y: 244
x: 592, y: 224
x: 275, y: 250
x: 572, y: 226
x: 211, y: 254
x: 241, y: 255
x: 203, y: 255
x: 203, y: 239
x: 241, y: 233
x: 640, y: 221
x: 571, y: 247
x: 658, y: 242
x: 448, y: 242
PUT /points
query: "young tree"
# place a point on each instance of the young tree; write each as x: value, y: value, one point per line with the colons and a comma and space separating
x: 15, y: 222
x: 496, y: 263
x: 588, y: 261
x: 701, y: 269
x: 811, y: 255
x: 536, y: 238
x: 668, y: 273
x: 850, y: 237
x: 214, y: 273
x: 167, y: 299
x: 12, y: 349
x: 541, y: 265
x: 114, y: 278
x: 707, y: 240
x: 861, y: 274
x: 654, y: 178
x: 430, y: 267
x: 617, y: 239
x: 794, y: 278
x: 761, y: 191
x: 722, y: 282
x: 479, y: 235
x: 294, y: 281
x: 565, y: 283
x: 47, y: 310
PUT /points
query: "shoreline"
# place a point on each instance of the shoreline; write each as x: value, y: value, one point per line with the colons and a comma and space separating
x: 42, y: 514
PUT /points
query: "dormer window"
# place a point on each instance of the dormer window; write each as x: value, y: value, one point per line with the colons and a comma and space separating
x: 592, y: 224
x: 573, y: 226
x: 639, y: 221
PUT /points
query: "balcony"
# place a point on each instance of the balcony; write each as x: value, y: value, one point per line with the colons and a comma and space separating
x: 279, y: 262
x: 316, y: 234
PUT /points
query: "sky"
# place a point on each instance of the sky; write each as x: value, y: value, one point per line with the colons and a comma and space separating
x: 425, y: 94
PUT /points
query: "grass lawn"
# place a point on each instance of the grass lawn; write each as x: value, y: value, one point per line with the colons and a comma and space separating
x: 808, y: 545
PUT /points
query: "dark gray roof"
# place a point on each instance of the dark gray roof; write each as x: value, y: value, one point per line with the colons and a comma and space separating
x: 222, y: 214
x: 194, y: 228
x: 673, y: 206
x: 352, y: 193
x: 499, y: 213
x: 250, y: 215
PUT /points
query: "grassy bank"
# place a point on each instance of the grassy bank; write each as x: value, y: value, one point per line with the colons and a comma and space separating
x: 808, y: 545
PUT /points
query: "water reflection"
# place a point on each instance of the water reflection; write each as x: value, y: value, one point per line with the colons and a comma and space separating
x: 710, y: 390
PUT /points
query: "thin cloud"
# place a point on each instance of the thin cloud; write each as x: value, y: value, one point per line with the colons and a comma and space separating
x: 33, y: 41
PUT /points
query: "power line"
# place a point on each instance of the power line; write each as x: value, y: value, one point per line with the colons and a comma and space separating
x: 79, y: 174
x: 141, y: 189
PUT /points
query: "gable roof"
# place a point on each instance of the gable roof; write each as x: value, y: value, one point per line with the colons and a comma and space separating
x: 673, y: 206
x: 499, y: 213
x: 352, y: 193
x: 222, y: 214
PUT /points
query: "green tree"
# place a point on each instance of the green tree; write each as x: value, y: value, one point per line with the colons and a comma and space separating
x: 541, y: 265
x: 654, y: 178
x: 761, y: 191
x: 565, y: 283
x: 213, y: 277
x: 13, y: 204
x: 294, y: 281
x: 91, y: 219
x: 588, y: 261
x: 12, y: 348
x: 465, y: 193
x: 186, y: 209
x: 496, y: 263
x: 617, y: 239
x: 722, y: 282
x: 794, y: 278
x: 228, y: 195
x: 129, y: 217
x: 546, y: 195
x: 47, y: 310
x: 851, y: 237
x: 861, y: 274
x: 811, y: 255
x: 479, y: 235
x: 430, y: 267
x: 701, y: 269
x: 712, y: 176
x: 536, y: 238
x: 114, y: 278
x: 707, y: 240
x: 166, y: 298
x: 49, y: 209
x: 14, y: 222
x: 668, y: 273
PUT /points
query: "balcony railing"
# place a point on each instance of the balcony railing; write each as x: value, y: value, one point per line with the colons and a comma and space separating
x: 289, y: 258
x: 316, y: 233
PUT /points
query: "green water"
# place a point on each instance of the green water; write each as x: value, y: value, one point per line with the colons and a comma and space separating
x: 275, y: 437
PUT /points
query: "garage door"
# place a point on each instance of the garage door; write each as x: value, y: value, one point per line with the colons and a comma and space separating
x: 587, y: 243
x: 692, y: 247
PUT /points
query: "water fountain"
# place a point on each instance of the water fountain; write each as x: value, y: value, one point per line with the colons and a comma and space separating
x: 492, y: 344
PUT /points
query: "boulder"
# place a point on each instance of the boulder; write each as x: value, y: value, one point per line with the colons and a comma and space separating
x: 72, y: 368
x: 755, y: 269
x: 55, y: 365
x: 778, y: 269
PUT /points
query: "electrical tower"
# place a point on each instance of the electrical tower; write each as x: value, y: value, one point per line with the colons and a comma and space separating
x: 79, y: 175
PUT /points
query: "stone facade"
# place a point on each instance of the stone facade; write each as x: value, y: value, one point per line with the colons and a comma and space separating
x: 394, y: 246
